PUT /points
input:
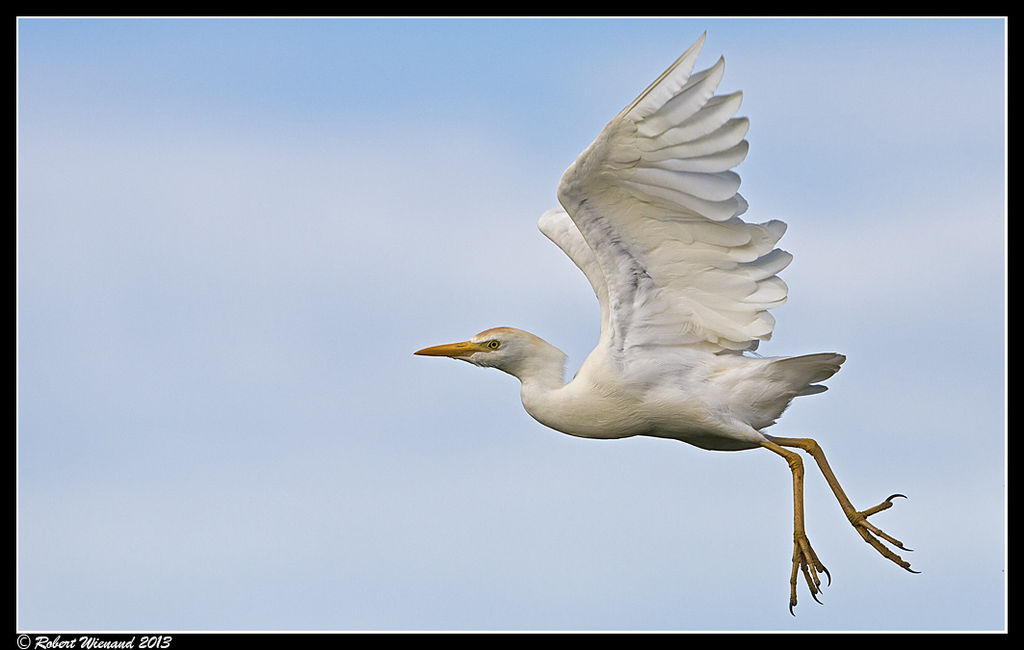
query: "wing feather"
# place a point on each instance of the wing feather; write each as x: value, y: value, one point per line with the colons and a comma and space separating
x: 559, y: 228
x: 718, y: 161
x: 692, y: 97
x: 651, y: 216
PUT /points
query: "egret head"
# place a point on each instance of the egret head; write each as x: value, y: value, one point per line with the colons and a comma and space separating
x: 505, y: 348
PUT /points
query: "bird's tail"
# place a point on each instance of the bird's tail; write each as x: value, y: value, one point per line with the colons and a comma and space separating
x: 802, y: 373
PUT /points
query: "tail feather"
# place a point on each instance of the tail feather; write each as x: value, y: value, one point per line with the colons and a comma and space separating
x: 803, y: 372
x: 813, y: 389
x: 772, y: 384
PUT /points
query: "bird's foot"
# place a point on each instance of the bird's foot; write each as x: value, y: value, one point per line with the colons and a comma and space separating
x: 872, y: 534
x: 805, y: 561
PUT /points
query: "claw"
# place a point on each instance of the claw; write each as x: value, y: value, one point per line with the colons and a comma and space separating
x: 872, y: 534
x: 806, y: 562
x: 856, y: 517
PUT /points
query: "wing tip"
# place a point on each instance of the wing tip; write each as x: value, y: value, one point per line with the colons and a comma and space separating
x: 686, y: 60
x: 698, y: 45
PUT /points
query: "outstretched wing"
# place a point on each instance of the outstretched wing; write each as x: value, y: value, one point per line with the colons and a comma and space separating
x: 655, y: 202
x: 558, y: 226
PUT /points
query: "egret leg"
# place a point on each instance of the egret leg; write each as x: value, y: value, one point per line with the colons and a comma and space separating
x: 805, y: 561
x: 859, y: 518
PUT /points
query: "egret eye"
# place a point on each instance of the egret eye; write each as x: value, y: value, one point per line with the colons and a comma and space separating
x: 493, y: 345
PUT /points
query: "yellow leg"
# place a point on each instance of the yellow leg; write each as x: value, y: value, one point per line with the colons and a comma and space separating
x: 804, y: 559
x: 859, y: 518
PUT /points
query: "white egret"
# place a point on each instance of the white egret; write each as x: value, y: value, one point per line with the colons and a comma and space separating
x: 650, y: 214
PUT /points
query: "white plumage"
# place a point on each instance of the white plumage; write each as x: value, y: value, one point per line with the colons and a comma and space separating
x: 650, y: 212
x: 656, y: 203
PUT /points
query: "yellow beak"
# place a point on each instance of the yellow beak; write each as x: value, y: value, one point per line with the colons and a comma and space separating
x: 454, y: 350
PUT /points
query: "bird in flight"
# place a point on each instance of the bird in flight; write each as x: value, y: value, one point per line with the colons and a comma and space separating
x: 650, y: 213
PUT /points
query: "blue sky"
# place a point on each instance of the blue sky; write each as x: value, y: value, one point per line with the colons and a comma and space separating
x: 232, y: 235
